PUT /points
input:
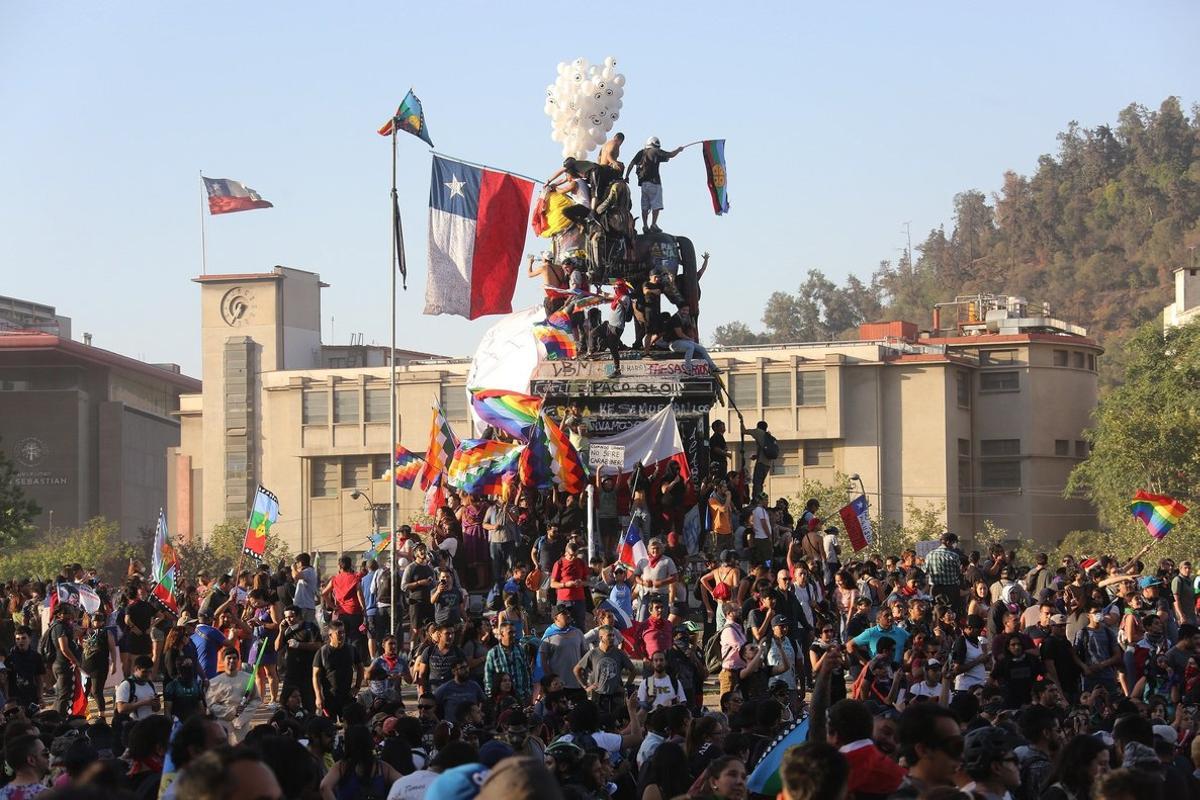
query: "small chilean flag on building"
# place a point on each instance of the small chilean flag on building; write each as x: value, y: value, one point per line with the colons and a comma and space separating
x: 858, y: 524
x: 633, y: 549
x: 226, y: 196
x: 477, y: 220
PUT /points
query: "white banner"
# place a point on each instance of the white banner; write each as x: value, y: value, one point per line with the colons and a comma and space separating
x: 606, y: 455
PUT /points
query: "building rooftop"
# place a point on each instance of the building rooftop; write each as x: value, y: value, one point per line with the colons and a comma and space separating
x: 278, y: 273
x: 12, y: 341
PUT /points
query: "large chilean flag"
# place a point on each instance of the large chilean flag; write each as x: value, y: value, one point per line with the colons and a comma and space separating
x: 477, y: 221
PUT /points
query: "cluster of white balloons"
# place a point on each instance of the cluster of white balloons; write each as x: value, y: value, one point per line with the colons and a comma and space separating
x: 583, y: 103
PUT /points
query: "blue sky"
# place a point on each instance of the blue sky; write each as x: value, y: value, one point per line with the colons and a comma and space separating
x: 843, y: 121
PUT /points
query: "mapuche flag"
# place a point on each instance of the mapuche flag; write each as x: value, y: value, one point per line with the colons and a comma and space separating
x: 262, y: 517
x: 714, y: 165
x: 477, y: 219
x: 226, y: 196
x: 409, y: 117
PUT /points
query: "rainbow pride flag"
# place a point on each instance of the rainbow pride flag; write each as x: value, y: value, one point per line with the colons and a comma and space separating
x: 406, y: 468
x: 1157, y: 512
x: 511, y: 412
x: 480, y: 465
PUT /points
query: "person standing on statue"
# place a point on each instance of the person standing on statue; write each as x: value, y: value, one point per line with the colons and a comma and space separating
x: 647, y: 162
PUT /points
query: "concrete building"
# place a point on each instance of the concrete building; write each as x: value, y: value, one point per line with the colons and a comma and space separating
x: 87, y: 429
x: 981, y: 417
x: 308, y: 421
x: 1187, y: 298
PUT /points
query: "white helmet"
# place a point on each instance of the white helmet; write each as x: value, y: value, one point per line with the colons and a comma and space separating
x: 653, y: 142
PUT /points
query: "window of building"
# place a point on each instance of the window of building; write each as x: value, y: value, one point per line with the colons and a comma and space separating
x: 810, y: 388
x: 964, y: 447
x: 743, y: 388
x: 345, y: 405
x: 964, y: 485
x: 1060, y: 358
x: 356, y: 472
x: 788, y: 462
x: 1081, y: 448
x: 379, y: 465
x: 1077, y: 360
x: 235, y: 465
x: 454, y: 402
x: 376, y: 408
x: 962, y: 388
x: 1091, y: 362
x: 337, y: 363
x: 1000, y: 447
x: 999, y: 357
x: 1062, y: 447
x: 818, y: 453
x: 324, y: 476
x: 777, y: 389
x: 315, y: 407
x: 999, y: 382
x: 1000, y: 474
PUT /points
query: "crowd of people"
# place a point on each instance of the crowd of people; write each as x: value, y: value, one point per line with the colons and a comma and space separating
x: 517, y: 664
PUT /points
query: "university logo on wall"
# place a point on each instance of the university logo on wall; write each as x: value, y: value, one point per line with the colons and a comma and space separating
x: 30, y: 451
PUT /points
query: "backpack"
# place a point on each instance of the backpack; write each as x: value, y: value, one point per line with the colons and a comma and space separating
x: 47, y: 647
x: 712, y: 652
x: 770, y: 446
x: 95, y: 647
x: 381, y: 586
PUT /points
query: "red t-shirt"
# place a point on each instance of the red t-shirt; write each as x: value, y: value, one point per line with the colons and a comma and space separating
x: 573, y: 570
x: 345, y: 595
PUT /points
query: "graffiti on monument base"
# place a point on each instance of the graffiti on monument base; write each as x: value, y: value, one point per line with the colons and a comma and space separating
x: 584, y: 388
x: 648, y: 408
x: 602, y: 370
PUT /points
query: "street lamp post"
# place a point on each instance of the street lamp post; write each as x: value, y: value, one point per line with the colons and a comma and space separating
x: 371, y: 508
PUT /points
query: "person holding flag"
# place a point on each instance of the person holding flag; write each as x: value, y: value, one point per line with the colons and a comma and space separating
x: 231, y: 696
x: 68, y: 679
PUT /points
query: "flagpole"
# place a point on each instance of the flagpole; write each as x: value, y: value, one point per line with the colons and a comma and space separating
x: 392, y: 396
x: 203, y: 232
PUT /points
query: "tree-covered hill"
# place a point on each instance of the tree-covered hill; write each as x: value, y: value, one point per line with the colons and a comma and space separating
x: 1095, y: 232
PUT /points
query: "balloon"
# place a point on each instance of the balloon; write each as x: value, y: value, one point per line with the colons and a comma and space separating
x: 618, y: 80
x: 610, y: 63
x: 614, y: 116
x: 563, y: 67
